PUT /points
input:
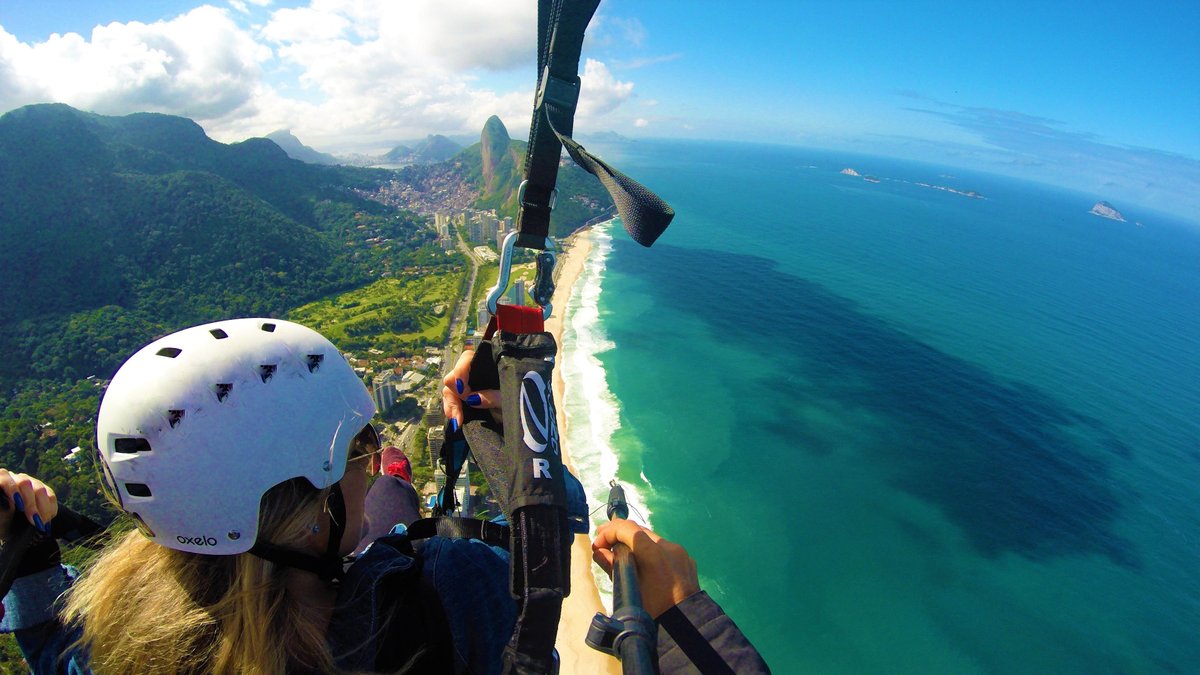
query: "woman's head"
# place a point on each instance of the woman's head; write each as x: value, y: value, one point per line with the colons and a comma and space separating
x: 217, y: 439
x: 148, y: 608
x: 197, y: 426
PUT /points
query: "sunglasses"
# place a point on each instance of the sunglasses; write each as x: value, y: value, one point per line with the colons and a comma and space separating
x: 366, y: 448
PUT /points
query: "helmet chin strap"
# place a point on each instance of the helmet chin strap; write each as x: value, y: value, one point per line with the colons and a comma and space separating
x: 328, y: 566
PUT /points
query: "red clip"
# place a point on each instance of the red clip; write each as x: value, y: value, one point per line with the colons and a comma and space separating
x: 515, y: 319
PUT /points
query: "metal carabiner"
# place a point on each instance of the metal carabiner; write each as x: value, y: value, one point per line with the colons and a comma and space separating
x: 543, y: 284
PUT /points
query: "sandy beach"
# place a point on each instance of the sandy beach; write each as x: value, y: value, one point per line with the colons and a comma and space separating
x: 584, y: 601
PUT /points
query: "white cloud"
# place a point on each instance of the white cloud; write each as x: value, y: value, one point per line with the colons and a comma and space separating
x: 304, y: 25
x: 641, y: 123
x: 392, y: 70
x: 599, y: 91
x: 418, y: 34
x: 342, y: 74
x: 199, y: 64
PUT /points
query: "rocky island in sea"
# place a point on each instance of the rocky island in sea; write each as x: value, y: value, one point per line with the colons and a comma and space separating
x: 1106, y: 210
x: 966, y: 193
x: 875, y: 179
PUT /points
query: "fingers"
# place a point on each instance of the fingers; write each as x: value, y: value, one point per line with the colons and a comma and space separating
x: 488, y: 399
x: 604, y: 558
x: 30, y: 496
x: 641, y: 541
x: 457, y: 394
x: 454, y: 385
x: 457, y: 377
x: 47, y: 505
x: 453, y: 402
x: 452, y: 407
x: 625, y: 531
x: 666, y: 573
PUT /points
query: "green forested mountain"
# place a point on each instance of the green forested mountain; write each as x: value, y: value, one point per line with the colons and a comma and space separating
x: 495, y: 165
x: 114, y: 230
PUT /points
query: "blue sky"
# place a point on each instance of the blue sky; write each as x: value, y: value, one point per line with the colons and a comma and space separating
x: 1098, y: 97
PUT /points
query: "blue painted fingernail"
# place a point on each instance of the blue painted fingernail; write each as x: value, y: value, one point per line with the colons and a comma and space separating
x: 37, y: 522
x: 458, y: 383
x: 453, y: 424
x: 19, y: 502
x: 474, y: 399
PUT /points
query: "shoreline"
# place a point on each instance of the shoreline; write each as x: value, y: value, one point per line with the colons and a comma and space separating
x: 584, y: 601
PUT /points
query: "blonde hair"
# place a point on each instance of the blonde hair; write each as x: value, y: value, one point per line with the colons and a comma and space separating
x: 147, y: 608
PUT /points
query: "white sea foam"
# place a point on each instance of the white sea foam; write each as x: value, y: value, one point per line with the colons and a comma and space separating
x: 593, y: 413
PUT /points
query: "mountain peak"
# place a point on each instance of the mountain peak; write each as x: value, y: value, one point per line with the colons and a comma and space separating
x: 493, y: 128
x: 285, y: 139
x: 493, y: 148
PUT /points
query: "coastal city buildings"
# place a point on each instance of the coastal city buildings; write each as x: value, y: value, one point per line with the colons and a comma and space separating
x: 477, y: 227
x: 516, y: 293
x: 383, y: 390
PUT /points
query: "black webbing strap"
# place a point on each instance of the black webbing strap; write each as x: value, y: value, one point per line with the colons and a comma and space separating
x: 541, y: 568
x: 645, y: 214
x: 327, y: 567
x: 489, y: 533
x: 522, y: 462
x: 561, y: 26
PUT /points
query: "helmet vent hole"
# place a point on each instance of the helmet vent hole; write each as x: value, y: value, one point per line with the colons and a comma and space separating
x: 268, y: 327
x: 174, y: 417
x: 314, y: 362
x: 219, y: 334
x: 266, y: 371
x: 132, y: 445
x: 169, y: 352
x: 137, y: 489
x: 223, y: 390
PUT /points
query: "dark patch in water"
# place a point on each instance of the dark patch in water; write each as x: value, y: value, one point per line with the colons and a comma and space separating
x: 992, y: 454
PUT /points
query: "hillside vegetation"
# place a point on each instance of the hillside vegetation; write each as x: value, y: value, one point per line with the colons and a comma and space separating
x: 114, y: 230
x: 495, y: 166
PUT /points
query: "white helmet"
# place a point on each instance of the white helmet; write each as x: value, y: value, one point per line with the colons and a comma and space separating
x: 197, y: 426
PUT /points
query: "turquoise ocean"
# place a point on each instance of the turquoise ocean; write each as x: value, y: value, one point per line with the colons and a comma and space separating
x: 901, y: 429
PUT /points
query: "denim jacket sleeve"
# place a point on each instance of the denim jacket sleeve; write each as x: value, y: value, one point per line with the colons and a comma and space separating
x: 31, y: 615
x: 471, y: 579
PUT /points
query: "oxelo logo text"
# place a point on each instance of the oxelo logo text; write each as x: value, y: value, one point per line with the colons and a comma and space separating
x: 196, y: 541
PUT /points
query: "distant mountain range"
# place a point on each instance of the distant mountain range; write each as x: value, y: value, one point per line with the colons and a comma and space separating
x: 434, y: 148
x: 297, y: 150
